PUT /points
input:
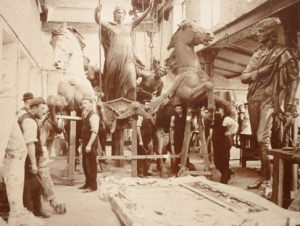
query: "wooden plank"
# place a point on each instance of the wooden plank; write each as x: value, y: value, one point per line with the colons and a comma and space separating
x: 280, y: 182
x: 134, y: 146
x: 279, y: 153
x: 72, y: 147
x: 63, y: 181
x: 200, y: 173
x: 129, y: 157
x: 75, y: 118
x: 122, y: 211
x: 213, y: 199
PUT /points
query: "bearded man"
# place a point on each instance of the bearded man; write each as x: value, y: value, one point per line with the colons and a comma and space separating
x: 272, y: 70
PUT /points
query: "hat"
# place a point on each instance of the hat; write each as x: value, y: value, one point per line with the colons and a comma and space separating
x: 36, y: 102
x: 27, y: 96
x: 88, y: 98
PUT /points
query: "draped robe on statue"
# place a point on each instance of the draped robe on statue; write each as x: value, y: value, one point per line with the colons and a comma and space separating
x: 120, y: 61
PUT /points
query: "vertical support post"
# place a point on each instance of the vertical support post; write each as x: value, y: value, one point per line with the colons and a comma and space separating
x: 290, y: 22
x: 119, y: 146
x: 275, y: 184
x: 209, y: 56
x: 280, y: 182
x: 134, y: 146
x: 186, y: 142
x: 72, y: 147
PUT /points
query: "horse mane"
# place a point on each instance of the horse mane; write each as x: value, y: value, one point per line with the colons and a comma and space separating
x: 61, y: 31
x: 171, y: 61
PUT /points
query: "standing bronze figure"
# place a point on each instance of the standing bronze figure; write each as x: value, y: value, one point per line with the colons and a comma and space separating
x: 119, y: 78
x: 272, y: 75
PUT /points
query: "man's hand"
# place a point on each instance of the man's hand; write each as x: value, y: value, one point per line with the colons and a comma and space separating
x: 265, y: 71
x: 291, y: 108
x: 98, y: 8
x: 141, y: 143
x: 34, y: 169
x: 88, y: 149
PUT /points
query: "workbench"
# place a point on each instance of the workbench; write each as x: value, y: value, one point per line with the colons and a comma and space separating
x: 285, y: 176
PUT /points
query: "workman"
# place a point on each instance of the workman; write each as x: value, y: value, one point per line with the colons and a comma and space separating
x: 224, y: 129
x: 144, y: 132
x: 89, y: 143
x: 32, y: 196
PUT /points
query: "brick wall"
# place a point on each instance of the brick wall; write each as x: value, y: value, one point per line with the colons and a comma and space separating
x: 233, y: 9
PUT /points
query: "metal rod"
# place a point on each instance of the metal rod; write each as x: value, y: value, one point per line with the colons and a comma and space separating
x: 100, y: 40
x: 161, y: 34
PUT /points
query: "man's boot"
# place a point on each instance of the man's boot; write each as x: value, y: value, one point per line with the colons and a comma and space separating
x: 256, y: 184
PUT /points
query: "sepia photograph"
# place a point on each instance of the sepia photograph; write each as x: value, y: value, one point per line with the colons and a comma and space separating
x: 149, y: 112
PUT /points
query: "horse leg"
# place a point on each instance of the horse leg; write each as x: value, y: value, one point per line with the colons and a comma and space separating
x: 185, y: 148
x: 231, y: 111
x: 203, y: 142
x: 199, y: 92
x: 158, y: 148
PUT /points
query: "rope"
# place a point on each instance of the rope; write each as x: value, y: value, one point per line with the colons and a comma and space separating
x: 145, y: 39
x: 161, y: 33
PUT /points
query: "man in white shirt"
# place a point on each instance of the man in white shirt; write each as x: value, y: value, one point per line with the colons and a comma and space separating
x: 223, y: 130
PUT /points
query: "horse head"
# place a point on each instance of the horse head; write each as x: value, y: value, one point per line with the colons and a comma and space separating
x: 194, y: 34
x: 66, y: 42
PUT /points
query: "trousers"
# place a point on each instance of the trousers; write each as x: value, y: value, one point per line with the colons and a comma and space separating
x: 32, y: 196
x: 89, y: 164
x: 222, y: 148
x: 261, y: 120
x: 143, y: 165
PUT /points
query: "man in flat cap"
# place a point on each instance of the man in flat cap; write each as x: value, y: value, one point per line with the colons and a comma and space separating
x: 30, y: 128
x: 89, y: 144
x: 272, y: 73
x: 27, y: 97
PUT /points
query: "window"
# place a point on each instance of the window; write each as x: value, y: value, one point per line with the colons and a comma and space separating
x: 210, y: 13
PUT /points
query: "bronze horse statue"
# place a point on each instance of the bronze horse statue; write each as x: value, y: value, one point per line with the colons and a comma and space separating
x: 192, y: 86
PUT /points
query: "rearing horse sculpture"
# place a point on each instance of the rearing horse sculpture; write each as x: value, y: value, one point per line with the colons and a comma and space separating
x: 192, y: 86
x: 67, y: 45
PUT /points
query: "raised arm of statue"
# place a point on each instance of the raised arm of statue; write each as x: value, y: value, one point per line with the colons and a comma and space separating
x: 104, y: 24
x: 159, y: 89
x: 138, y: 20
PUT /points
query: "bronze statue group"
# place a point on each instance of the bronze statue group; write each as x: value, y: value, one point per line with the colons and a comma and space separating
x: 272, y: 69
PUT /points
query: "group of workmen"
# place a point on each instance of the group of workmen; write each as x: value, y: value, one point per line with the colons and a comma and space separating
x: 32, y: 119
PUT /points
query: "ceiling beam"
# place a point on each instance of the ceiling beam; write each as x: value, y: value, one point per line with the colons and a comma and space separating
x: 231, y: 61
